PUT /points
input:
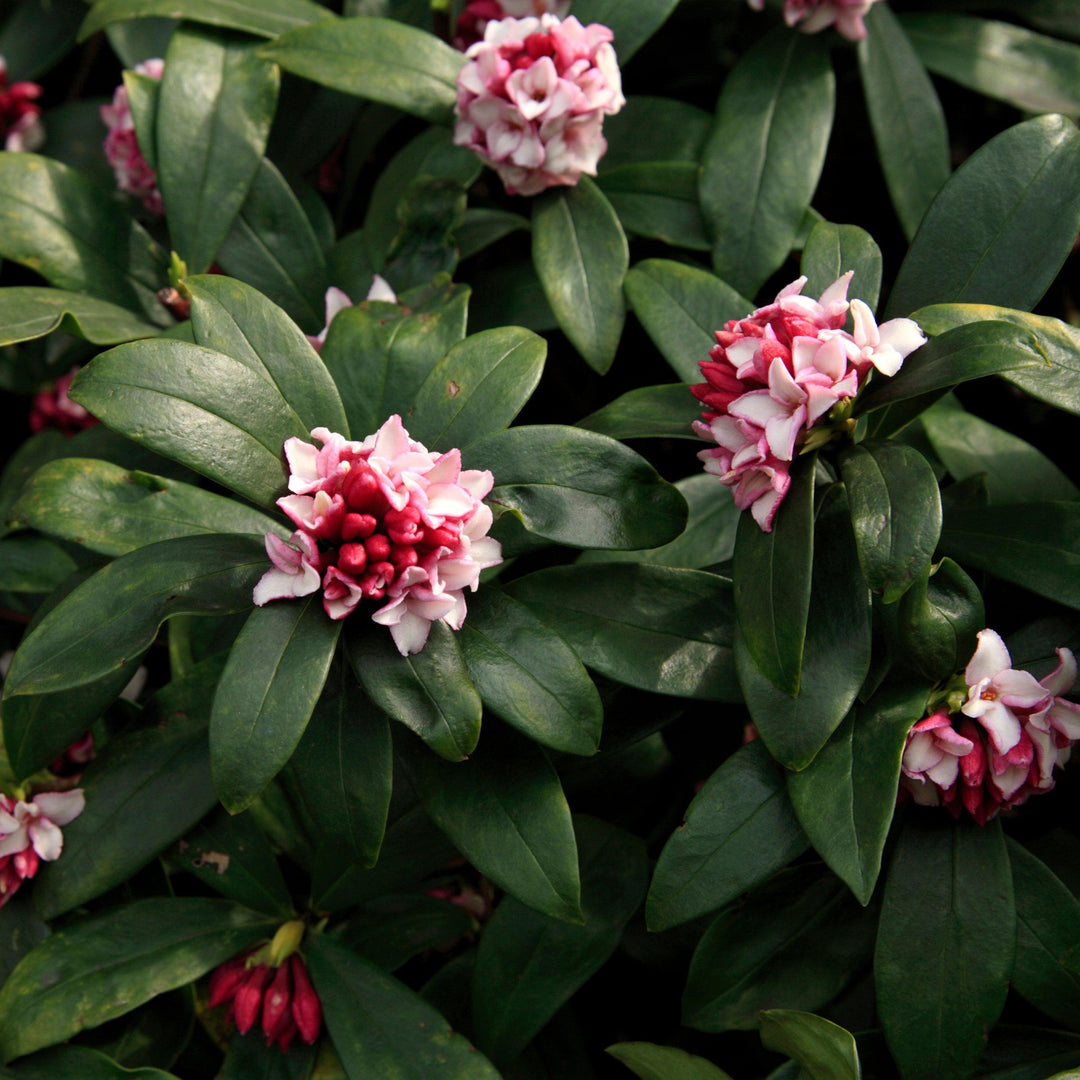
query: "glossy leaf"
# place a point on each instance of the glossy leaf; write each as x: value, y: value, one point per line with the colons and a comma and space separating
x: 657, y: 628
x: 222, y: 95
x: 794, y: 943
x: 895, y: 512
x: 999, y: 230
x: 1047, y: 939
x: 1031, y: 71
x: 844, y: 799
x: 29, y: 311
x: 505, y: 811
x: 77, y: 237
x: 771, y: 577
x: 681, y: 308
x: 35, y: 44
x: 381, y: 1028
x: 529, y: 965
x: 33, y: 564
x: 142, y: 792
x: 79, y: 1061
x: 109, y: 964
x: 658, y: 200
x: 651, y: 1062
x: 1036, y: 545
x: 380, y: 59
x: 265, y: 18
x: 948, y: 907
x: 837, y: 653
x: 251, y: 1057
x: 653, y: 129
x: 581, y: 257
x: 664, y: 412
x: 143, y: 93
x: 738, y: 831
x: 754, y: 191
x: 274, y: 247
x: 824, y: 1049
x: 632, y: 21
x: 271, y: 682
x: 113, y: 616
x: 906, y: 116
x: 199, y: 407
x: 477, y: 388
x: 527, y: 675
x: 341, y: 771
x: 832, y: 250
x: 429, y: 692
x: 484, y: 226
x: 113, y: 510
x: 578, y: 488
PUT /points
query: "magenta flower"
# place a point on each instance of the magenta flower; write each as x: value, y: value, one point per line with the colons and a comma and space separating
x: 133, y: 174
x: 337, y: 300
x: 813, y: 15
x: 30, y: 832
x: 532, y: 99
x: 20, y: 118
x: 932, y: 756
x: 53, y: 408
x: 776, y: 373
x: 383, y: 519
x: 473, y: 20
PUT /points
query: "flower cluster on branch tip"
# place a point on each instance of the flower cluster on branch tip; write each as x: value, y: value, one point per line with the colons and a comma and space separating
x: 20, y: 117
x: 1003, y: 742
x: 810, y: 16
x: 386, y: 520
x: 473, y: 20
x: 30, y: 833
x: 532, y: 100
x: 133, y: 174
x: 776, y: 373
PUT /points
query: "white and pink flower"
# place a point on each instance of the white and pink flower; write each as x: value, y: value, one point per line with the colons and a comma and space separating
x: 813, y: 15
x: 20, y: 117
x: 338, y: 300
x: 133, y: 174
x: 532, y: 99
x: 776, y: 373
x: 30, y: 833
x: 386, y: 520
x: 473, y: 20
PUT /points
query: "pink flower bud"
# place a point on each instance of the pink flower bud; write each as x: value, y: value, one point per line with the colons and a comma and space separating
x: 276, y: 1000
x: 20, y: 118
x: 306, y: 1008
x: 249, y: 996
x: 132, y: 172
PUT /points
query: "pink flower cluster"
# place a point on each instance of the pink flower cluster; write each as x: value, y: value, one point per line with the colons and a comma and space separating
x: 1012, y: 731
x: 774, y: 374
x: 133, y: 174
x: 383, y: 519
x: 282, y: 995
x: 532, y: 100
x: 30, y: 832
x: 20, y: 118
x: 473, y: 20
x: 53, y: 408
x: 814, y: 15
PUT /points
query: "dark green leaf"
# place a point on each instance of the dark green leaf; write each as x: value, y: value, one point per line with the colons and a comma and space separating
x: 837, y: 653
x: 771, y: 577
x: 895, y: 512
x: 1036, y: 545
x: 1000, y: 228
x: 579, y: 488
x: 32, y: 564
x: 36, y: 34
x: 113, y: 511
x: 505, y: 811
x: 221, y: 94
x: 143, y: 93
x: 483, y: 226
x: 200, y: 407
x: 824, y: 1049
x: 271, y: 682
x: 654, y: 627
x: 477, y: 388
x: 845, y: 797
x: 23, y: 928
x: 663, y: 412
x: 832, y: 250
x: 375, y: 58
x: 906, y: 116
x: 109, y: 964
x: 81, y: 1062
x: 651, y: 1062
x: 754, y: 190
x: 429, y: 692
x: 794, y: 943
x: 650, y: 129
x: 948, y: 908
x: 580, y: 254
x: 142, y: 792
x: 252, y: 1057
x: 658, y: 199
x: 381, y: 1028
x: 266, y: 18
x: 739, y: 830
x: 29, y: 311
x: 632, y: 21
x: 529, y: 964
x: 113, y: 616
x: 67, y: 229
x: 526, y: 674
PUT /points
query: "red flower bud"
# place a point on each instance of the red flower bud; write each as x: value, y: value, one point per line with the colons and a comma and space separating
x: 276, y: 1003
x: 306, y: 1009
x: 249, y: 998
